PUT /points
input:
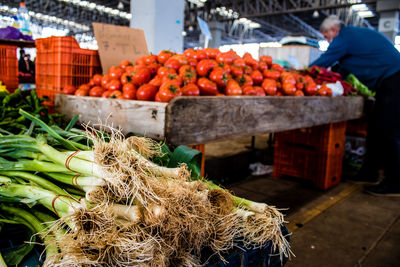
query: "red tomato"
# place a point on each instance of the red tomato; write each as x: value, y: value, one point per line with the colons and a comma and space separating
x: 169, y: 90
x: 266, y: 59
x: 259, y: 90
x: 163, y: 56
x: 300, y: 86
x: 162, y: 71
x: 239, y: 62
x: 157, y: 97
x: 125, y: 63
x: 173, y: 78
x: 105, y: 80
x: 226, y: 57
x: 299, y: 93
x: 150, y: 59
x: 129, y: 94
x: 91, y: 82
x: 262, y: 66
x: 249, y: 90
x: 233, y: 88
x: 271, y: 74
x: 115, y: 72
x: 207, y: 87
x: 247, y: 70
x: 106, y: 94
x: 68, y: 90
x: 288, y: 88
x: 204, y: 67
x: 115, y: 94
x: 153, y: 68
x: 183, y: 60
x: 96, y: 91
x: 141, y: 76
x: 225, y: 67
x: 81, y: 92
x: 146, y: 92
x: 257, y: 77
x: 114, y: 85
x: 156, y: 81
x: 244, y: 80
x: 250, y: 61
x: 173, y: 64
x: 97, y: 79
x: 219, y: 76
x: 140, y: 61
x: 128, y: 87
x: 84, y: 87
x: 287, y: 77
x: 236, y: 71
x: 269, y: 86
x: 188, y: 74
x: 277, y: 67
x: 129, y: 69
x: 200, y: 55
x: 126, y: 78
x: 324, y: 91
x: 310, y: 89
x: 279, y: 93
x: 189, y: 53
x: 192, y: 62
x: 211, y: 52
x: 190, y: 90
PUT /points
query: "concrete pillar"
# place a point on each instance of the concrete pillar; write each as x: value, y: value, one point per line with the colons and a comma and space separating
x: 389, y: 17
x: 162, y: 22
x: 216, y: 29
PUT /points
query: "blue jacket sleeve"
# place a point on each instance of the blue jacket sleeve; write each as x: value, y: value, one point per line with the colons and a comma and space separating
x: 336, y: 50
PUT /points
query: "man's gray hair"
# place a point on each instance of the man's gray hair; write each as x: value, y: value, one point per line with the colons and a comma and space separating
x: 331, y: 21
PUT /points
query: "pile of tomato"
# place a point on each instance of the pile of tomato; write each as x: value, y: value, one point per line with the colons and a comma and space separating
x: 204, y: 72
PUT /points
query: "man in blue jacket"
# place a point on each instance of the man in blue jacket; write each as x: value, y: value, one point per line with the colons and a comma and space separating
x: 374, y: 60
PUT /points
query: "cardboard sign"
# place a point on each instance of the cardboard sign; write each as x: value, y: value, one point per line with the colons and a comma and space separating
x: 118, y: 43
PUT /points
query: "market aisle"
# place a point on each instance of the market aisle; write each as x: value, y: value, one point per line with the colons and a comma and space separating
x: 339, y: 227
x: 358, y: 228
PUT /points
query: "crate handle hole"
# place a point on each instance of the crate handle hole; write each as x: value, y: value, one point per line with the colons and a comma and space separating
x: 334, y: 178
x: 337, y: 145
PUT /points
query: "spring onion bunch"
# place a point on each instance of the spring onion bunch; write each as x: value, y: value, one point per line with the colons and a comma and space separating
x: 117, y: 207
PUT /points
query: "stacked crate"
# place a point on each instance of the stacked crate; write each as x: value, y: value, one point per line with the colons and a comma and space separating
x: 60, y: 62
x: 314, y: 153
x: 9, y: 67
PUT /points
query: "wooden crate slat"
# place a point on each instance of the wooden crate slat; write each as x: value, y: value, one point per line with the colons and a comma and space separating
x: 204, y: 119
x: 142, y: 117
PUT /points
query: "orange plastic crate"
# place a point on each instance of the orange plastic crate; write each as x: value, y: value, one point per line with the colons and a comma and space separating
x: 61, y: 62
x: 9, y: 66
x: 56, y: 43
x: 314, y: 154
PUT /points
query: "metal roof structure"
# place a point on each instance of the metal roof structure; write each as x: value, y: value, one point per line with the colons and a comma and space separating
x: 244, y: 21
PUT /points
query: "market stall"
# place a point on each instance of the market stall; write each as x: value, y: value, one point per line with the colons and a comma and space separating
x: 190, y: 120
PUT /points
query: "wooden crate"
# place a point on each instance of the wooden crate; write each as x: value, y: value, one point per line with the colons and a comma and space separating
x: 198, y: 120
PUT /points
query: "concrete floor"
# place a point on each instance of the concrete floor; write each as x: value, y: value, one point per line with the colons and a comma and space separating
x: 339, y: 227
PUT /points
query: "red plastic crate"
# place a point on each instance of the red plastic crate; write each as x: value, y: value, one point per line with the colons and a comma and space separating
x: 9, y: 66
x: 357, y: 127
x: 61, y: 62
x: 314, y: 154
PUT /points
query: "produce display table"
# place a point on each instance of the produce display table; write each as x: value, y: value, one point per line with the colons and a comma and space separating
x: 198, y: 120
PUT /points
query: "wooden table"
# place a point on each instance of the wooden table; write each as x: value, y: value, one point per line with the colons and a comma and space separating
x: 27, y: 44
x: 198, y: 120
